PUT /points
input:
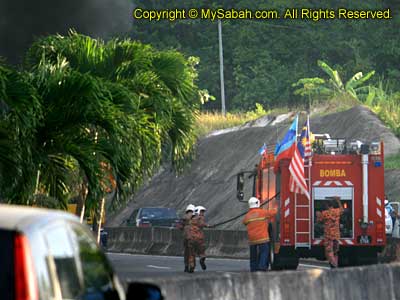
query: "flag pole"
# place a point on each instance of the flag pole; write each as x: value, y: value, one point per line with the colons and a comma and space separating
x: 310, y: 157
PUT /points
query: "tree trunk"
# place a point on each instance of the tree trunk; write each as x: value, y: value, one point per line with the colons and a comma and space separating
x: 80, y: 207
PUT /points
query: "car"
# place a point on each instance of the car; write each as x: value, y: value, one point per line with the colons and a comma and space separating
x: 157, y: 216
x: 49, y: 254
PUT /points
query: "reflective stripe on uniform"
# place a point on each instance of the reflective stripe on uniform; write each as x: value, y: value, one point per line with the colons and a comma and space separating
x: 254, y: 219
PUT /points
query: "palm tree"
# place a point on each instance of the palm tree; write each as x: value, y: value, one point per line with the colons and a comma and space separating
x: 20, y: 114
x: 114, y: 104
x: 158, y: 79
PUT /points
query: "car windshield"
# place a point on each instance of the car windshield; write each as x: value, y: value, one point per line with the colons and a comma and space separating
x: 158, y: 213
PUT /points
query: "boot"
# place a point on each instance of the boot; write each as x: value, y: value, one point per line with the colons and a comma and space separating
x: 186, y: 269
x: 203, y: 263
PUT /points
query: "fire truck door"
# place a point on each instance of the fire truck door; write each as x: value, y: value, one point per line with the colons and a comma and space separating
x: 321, y: 195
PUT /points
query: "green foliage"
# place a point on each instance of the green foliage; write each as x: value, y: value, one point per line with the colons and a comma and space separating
x: 263, y: 58
x: 93, y: 109
x: 392, y: 162
x: 334, y: 86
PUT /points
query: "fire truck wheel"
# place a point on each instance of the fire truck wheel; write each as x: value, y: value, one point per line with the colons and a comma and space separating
x: 286, y: 259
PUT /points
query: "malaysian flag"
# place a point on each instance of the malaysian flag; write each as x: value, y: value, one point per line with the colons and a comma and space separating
x: 297, y: 181
x: 304, y: 143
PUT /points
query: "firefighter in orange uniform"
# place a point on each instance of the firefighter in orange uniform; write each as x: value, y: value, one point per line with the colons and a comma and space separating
x: 331, y: 218
x: 196, y: 240
x: 256, y: 221
x: 186, y: 227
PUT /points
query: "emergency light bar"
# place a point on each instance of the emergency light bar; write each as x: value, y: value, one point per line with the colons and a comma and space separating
x: 375, y: 148
x: 334, y: 145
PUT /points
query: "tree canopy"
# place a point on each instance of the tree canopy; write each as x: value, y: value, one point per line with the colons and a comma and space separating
x: 263, y: 58
x: 108, y: 113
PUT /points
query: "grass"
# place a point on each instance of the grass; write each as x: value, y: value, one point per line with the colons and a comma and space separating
x: 210, y: 121
x: 392, y: 162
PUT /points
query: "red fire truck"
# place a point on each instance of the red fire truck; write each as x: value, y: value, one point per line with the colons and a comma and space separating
x: 352, y: 171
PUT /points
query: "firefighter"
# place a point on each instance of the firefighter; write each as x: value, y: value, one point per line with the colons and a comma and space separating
x: 185, y: 226
x: 391, y: 211
x: 330, y: 219
x: 196, y: 241
x: 256, y: 221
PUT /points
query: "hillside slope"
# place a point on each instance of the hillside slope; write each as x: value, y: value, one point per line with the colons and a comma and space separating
x: 210, y: 180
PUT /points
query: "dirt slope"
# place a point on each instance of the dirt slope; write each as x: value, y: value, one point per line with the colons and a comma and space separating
x: 210, y: 180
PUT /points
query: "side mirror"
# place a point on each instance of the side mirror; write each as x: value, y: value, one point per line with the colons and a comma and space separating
x: 143, y: 291
x: 240, y: 186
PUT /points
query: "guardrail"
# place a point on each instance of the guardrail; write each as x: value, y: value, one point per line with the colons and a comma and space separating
x: 169, y: 241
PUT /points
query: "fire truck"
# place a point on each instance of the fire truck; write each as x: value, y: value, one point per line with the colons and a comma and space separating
x: 351, y: 170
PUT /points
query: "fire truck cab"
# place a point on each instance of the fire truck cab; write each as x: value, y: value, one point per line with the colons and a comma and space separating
x: 354, y: 172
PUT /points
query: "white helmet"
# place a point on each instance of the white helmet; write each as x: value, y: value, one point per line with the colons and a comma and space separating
x: 254, y: 202
x: 198, y: 209
x: 190, y: 207
x: 386, y: 202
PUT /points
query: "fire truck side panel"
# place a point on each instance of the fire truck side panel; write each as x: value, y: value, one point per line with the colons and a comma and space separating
x: 287, y: 207
x: 376, y: 194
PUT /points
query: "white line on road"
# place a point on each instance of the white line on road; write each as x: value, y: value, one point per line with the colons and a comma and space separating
x: 314, y: 266
x: 158, y: 267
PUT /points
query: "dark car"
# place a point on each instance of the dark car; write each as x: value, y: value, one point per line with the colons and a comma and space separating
x: 47, y: 254
x: 157, y: 216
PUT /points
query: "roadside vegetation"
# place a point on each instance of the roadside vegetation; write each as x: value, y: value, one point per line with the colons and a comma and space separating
x: 209, y: 121
x: 392, y: 162
x: 84, y: 117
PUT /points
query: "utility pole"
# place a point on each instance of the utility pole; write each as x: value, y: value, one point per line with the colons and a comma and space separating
x: 221, y: 67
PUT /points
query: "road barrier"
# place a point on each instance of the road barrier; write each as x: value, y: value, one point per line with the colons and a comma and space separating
x: 169, y: 241
x: 372, y: 282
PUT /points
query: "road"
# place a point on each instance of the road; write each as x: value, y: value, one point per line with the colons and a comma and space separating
x: 132, y: 267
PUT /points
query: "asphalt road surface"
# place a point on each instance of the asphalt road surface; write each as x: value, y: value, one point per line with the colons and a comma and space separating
x: 132, y: 267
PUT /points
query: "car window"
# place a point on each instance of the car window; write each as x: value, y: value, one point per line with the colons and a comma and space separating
x: 62, y: 254
x: 157, y: 213
x: 96, y: 271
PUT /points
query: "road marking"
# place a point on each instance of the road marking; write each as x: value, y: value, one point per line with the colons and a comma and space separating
x: 158, y: 267
x: 314, y: 266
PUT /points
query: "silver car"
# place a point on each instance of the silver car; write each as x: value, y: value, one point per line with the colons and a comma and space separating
x: 47, y: 254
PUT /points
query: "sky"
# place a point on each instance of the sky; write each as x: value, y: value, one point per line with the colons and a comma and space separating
x: 21, y: 21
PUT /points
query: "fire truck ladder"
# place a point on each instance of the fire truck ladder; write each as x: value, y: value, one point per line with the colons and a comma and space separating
x: 302, y: 216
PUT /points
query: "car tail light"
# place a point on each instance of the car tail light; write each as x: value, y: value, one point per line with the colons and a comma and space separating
x: 25, y: 280
x: 144, y: 224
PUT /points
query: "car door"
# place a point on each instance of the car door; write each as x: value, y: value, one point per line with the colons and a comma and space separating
x: 99, y: 280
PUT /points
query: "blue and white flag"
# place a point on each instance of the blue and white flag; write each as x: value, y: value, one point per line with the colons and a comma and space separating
x: 263, y: 149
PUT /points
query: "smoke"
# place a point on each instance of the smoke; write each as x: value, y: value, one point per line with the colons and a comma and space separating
x: 21, y: 21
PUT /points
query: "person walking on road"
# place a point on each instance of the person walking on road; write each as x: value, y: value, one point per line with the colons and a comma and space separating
x: 256, y: 221
x: 196, y: 241
x: 330, y: 219
x: 185, y: 226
